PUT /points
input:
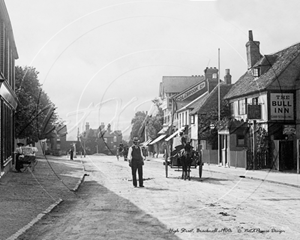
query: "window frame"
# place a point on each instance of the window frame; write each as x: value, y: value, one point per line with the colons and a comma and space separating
x: 238, y: 138
x: 256, y: 72
x: 242, y: 109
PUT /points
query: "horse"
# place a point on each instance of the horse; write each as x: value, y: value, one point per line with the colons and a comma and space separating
x: 186, y: 157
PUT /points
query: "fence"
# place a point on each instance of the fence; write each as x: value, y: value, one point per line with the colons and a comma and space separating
x: 261, y: 160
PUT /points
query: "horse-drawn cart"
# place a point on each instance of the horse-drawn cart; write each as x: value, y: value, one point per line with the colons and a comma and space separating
x: 182, y: 159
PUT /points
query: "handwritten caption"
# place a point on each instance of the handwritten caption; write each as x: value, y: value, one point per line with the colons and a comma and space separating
x: 224, y: 230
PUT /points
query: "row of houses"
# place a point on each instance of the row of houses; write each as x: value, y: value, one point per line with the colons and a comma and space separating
x: 100, y: 140
x: 256, y: 119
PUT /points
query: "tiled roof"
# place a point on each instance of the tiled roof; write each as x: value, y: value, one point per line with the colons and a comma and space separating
x: 191, y: 104
x: 196, y: 105
x: 176, y: 84
x: 277, y: 63
x: 211, y: 102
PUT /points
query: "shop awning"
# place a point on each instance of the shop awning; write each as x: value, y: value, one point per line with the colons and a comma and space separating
x: 175, y: 133
x: 163, y: 130
x: 146, y: 143
x: 158, y: 139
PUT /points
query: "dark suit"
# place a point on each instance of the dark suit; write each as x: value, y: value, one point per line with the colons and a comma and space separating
x: 137, y: 163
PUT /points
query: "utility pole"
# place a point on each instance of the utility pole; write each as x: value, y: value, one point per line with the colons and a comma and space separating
x: 254, y: 145
x: 219, y: 108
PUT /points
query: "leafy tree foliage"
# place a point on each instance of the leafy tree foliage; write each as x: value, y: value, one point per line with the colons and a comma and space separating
x: 155, y: 124
x: 137, y: 125
x: 151, y: 124
x: 35, y: 114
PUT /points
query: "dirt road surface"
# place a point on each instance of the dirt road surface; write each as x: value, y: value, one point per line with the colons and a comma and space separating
x: 218, y: 206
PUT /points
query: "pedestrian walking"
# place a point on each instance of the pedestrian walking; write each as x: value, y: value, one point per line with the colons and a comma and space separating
x: 136, y: 162
x: 71, y: 152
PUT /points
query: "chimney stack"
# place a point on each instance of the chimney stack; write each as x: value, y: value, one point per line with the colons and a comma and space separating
x: 253, y: 53
x: 87, y: 126
x: 227, y: 77
x: 211, y: 76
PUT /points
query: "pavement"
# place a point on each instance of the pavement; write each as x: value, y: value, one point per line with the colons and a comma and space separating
x: 26, y: 197
x: 286, y: 178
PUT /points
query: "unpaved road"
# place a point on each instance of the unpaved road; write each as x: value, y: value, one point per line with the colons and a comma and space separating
x: 218, y: 206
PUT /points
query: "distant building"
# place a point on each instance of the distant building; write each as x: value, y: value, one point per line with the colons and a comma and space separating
x: 101, y: 140
x: 8, y: 98
x: 180, y: 96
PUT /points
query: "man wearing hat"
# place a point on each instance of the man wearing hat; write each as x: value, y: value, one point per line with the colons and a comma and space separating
x: 136, y: 162
x: 18, y: 152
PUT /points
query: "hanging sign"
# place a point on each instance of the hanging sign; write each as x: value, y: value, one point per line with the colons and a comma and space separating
x: 254, y: 111
x: 281, y: 106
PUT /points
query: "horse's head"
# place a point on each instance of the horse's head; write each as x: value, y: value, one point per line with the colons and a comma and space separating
x: 188, y: 147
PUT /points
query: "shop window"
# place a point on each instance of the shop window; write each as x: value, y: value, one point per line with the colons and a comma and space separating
x: 240, y: 140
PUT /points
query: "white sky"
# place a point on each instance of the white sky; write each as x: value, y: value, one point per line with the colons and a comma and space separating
x: 115, y: 52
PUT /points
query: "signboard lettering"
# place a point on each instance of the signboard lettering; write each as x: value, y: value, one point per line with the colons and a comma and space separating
x: 282, y: 106
x: 191, y: 91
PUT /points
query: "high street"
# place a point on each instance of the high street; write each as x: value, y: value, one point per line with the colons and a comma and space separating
x: 218, y: 206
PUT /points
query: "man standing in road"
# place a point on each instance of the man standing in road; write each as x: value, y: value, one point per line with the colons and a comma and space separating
x: 136, y: 162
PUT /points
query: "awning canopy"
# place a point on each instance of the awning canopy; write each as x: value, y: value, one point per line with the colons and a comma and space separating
x: 163, y: 130
x: 175, y: 133
x: 158, y: 139
x: 146, y: 143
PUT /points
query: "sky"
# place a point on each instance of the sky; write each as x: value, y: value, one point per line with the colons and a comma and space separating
x: 102, y: 61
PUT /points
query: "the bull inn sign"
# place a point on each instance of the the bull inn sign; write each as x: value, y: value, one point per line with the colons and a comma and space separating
x: 282, y: 106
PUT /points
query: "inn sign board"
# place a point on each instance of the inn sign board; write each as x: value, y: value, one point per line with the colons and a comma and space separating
x: 282, y: 106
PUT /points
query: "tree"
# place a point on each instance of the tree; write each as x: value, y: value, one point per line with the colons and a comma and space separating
x: 155, y: 124
x: 137, y: 124
x: 35, y: 114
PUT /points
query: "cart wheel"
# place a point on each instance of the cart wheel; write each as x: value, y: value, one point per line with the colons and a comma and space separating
x: 166, y: 163
x: 200, y: 170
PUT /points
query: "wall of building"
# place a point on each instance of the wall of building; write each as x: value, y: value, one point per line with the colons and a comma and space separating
x: 8, y: 100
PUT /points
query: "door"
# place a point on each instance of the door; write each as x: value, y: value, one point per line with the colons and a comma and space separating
x: 286, y: 155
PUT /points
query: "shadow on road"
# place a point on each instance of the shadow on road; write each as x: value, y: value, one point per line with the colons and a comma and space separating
x: 100, y: 213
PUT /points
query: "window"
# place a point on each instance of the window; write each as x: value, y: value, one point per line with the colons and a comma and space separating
x: 256, y: 72
x: 240, y: 140
x: 255, y: 101
x: 192, y: 119
x: 242, y: 106
x: 7, y: 133
x: 231, y: 105
x: 215, y: 75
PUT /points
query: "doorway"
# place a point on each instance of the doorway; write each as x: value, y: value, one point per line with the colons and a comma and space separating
x: 286, y: 155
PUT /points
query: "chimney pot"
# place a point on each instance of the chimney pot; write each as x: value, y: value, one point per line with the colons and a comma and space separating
x: 250, y: 35
x: 252, y: 49
x: 227, y: 77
